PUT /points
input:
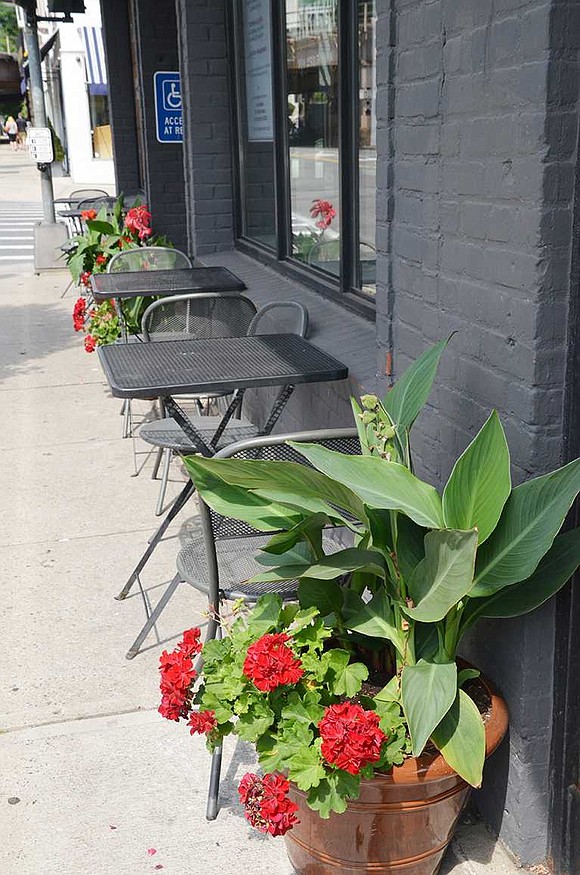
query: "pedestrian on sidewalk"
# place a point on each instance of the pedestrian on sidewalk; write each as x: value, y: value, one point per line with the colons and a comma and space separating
x: 11, y: 129
x: 21, y: 126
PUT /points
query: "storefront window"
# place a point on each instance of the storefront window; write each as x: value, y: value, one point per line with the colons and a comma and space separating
x: 256, y: 122
x: 306, y: 95
x: 312, y: 84
x: 367, y: 153
x: 100, y: 126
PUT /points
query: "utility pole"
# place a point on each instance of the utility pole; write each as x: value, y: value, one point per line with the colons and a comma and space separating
x: 38, y: 105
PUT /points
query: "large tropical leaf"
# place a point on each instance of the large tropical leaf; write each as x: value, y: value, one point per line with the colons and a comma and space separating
x: 410, y: 392
x: 461, y: 739
x: 557, y: 567
x: 325, y: 595
x: 284, y: 482
x: 330, y: 567
x: 379, y: 483
x: 480, y: 482
x: 444, y: 576
x: 239, y: 503
x: 428, y: 691
x: 531, y: 518
x: 374, y: 619
x: 410, y: 545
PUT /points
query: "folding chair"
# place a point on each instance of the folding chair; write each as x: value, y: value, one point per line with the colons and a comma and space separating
x: 220, y: 560
x: 196, y: 316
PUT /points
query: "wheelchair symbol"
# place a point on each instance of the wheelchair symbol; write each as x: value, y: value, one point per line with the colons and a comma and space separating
x: 171, y: 96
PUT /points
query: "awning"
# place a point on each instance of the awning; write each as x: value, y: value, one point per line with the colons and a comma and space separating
x: 44, y: 50
x: 95, y: 60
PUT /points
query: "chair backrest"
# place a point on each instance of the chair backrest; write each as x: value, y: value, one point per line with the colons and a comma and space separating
x: 149, y: 258
x: 271, y: 448
x: 198, y: 315
x: 280, y: 317
x: 81, y: 194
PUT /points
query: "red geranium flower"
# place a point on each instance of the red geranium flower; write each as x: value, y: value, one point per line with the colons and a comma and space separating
x: 88, y: 215
x: 138, y: 220
x: 325, y: 210
x: 190, y: 643
x: 90, y: 343
x: 351, y: 737
x: 267, y: 805
x: 85, y: 277
x: 270, y: 663
x: 79, y: 311
x: 202, y: 722
x: 177, y: 677
x: 101, y: 259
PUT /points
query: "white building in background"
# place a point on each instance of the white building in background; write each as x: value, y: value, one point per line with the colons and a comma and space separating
x: 75, y: 76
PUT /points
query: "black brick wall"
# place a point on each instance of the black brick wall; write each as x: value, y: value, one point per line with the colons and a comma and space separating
x: 478, y: 138
x: 121, y: 95
x: 205, y: 81
x: 156, y: 27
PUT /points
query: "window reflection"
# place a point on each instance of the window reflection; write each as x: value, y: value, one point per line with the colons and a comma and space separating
x: 367, y: 167
x: 312, y: 52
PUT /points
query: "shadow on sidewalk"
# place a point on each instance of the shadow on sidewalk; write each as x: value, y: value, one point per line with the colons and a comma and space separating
x: 29, y: 333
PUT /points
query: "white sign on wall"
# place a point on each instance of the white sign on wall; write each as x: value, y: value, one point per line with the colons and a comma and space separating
x: 40, y: 148
x: 258, y: 50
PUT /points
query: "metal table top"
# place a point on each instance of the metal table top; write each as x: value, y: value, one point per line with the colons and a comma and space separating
x: 182, y: 367
x: 133, y: 284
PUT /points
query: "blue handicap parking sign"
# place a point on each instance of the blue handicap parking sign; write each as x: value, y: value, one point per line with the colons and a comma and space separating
x: 168, y: 107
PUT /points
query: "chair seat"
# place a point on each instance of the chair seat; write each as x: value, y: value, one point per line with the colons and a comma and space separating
x: 168, y: 433
x: 236, y: 564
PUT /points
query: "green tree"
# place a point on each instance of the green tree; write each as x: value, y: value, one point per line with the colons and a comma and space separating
x: 9, y: 33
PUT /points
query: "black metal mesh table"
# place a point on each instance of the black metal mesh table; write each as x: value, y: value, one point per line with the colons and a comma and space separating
x: 184, y: 367
x: 133, y: 284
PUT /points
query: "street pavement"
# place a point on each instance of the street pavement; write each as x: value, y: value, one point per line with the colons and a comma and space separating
x: 92, y: 779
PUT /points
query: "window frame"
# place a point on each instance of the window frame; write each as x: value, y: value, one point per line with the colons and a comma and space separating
x: 341, y: 289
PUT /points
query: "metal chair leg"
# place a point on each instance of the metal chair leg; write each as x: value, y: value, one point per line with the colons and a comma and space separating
x: 214, y: 785
x: 127, y: 418
x: 157, y: 463
x: 156, y: 613
x: 179, y: 502
x: 167, y: 454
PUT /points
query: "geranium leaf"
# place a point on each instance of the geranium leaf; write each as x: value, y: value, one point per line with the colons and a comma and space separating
x: 428, y: 691
x: 265, y: 614
x: 444, y: 576
x: 461, y: 739
x: 349, y: 679
x: 255, y: 722
x: 333, y: 792
x: 269, y: 755
x: 305, y: 768
x: 480, y: 482
x: 299, y: 711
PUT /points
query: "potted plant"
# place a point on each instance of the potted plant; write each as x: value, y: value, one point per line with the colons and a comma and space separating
x: 368, y: 726
x: 91, y: 252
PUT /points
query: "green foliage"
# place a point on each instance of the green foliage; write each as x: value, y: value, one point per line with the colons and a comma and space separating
x: 424, y: 567
x: 283, y: 722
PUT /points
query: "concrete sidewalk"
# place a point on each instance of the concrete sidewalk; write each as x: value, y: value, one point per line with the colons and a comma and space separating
x: 92, y: 779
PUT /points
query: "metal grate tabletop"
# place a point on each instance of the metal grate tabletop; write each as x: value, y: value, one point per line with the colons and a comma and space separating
x: 222, y: 364
x: 132, y: 284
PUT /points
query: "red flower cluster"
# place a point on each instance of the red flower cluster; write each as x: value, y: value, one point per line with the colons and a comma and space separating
x: 88, y: 215
x: 101, y: 259
x: 325, y: 210
x: 270, y: 663
x: 138, y: 221
x: 177, y: 676
x: 79, y: 313
x: 90, y: 343
x: 202, y: 722
x: 85, y: 277
x: 351, y: 737
x: 267, y: 805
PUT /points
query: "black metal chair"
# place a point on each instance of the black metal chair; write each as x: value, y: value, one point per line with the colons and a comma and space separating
x: 287, y: 317
x: 196, y: 315
x: 221, y: 559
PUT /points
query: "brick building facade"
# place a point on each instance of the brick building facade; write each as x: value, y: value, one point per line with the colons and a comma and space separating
x: 477, y: 112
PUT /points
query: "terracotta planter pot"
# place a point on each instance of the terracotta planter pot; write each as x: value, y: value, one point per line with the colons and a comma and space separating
x: 401, y: 823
